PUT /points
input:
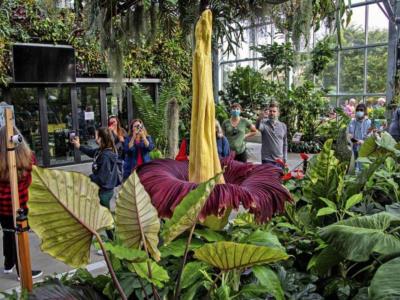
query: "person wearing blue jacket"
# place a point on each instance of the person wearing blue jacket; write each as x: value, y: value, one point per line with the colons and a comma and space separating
x: 105, y: 166
x: 222, y: 141
x: 137, y: 147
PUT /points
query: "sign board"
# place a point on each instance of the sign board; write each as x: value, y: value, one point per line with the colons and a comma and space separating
x: 3, y: 106
x: 297, y: 137
x: 89, y: 115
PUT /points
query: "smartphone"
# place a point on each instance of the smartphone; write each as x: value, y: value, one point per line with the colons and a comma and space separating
x: 72, y: 135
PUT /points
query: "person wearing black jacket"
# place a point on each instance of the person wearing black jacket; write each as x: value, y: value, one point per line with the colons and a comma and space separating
x: 105, y: 163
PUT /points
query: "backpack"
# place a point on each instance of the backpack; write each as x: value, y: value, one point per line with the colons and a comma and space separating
x: 120, y: 171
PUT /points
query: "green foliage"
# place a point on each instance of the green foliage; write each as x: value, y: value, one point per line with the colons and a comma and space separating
x: 247, y: 87
x: 322, y: 55
x: 228, y: 256
x: 386, y: 285
x: 186, y: 214
x: 279, y: 57
x: 268, y: 278
x: 358, y: 238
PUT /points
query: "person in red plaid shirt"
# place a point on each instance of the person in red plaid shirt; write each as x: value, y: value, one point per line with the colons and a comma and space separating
x: 24, y: 160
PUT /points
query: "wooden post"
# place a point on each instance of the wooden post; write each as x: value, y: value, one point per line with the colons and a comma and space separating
x: 23, y: 257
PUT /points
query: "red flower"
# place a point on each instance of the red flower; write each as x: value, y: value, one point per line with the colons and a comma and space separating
x: 280, y: 161
x: 257, y: 188
x: 182, y: 152
x: 304, y: 156
x: 287, y: 176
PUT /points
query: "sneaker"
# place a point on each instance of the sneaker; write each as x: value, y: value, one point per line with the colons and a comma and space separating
x: 35, y: 274
x: 8, y: 271
x: 100, y: 253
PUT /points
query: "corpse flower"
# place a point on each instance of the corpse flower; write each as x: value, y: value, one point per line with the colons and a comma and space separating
x: 255, y: 187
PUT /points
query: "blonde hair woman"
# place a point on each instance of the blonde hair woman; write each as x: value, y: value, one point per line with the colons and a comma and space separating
x: 24, y: 161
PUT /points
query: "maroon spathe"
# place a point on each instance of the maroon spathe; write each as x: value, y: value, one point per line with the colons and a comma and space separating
x: 257, y: 188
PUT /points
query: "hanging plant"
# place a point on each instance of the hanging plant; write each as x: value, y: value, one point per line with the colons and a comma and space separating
x: 321, y: 56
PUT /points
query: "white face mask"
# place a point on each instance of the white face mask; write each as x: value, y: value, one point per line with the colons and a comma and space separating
x: 359, y: 114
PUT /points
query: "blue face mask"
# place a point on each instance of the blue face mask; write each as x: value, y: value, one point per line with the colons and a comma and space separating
x: 359, y: 114
x: 235, y: 113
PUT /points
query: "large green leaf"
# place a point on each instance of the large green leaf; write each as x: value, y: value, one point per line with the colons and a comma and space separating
x: 357, y: 238
x: 123, y: 253
x: 64, y: 211
x: 263, y: 238
x: 268, y: 278
x: 209, y: 235
x: 135, y: 217
x: 379, y: 145
x: 386, y: 282
x: 323, y: 177
x: 192, y: 273
x: 177, y: 247
x: 228, y: 255
x: 159, y: 274
x: 186, y: 214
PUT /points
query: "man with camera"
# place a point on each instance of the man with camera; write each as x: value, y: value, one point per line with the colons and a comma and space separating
x: 273, y: 136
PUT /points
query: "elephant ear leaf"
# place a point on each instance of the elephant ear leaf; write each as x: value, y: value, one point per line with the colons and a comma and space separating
x: 357, y: 238
x: 228, y: 256
x: 187, y: 212
x: 65, y: 212
x: 136, y: 218
x: 385, y: 286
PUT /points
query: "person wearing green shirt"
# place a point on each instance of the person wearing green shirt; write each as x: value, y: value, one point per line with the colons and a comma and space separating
x: 236, y: 130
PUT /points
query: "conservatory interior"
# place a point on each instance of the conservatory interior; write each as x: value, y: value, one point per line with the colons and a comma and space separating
x: 181, y: 220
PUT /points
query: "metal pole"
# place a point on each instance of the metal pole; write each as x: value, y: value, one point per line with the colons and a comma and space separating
x: 22, y: 245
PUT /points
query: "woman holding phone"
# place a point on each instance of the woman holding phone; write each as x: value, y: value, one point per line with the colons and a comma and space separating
x: 137, y: 147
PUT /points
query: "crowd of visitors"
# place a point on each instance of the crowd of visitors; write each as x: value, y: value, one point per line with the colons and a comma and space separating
x: 119, y: 152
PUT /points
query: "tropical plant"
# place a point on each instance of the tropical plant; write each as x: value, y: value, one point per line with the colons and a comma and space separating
x: 247, y: 87
x: 68, y: 228
x: 279, y: 57
x: 322, y: 55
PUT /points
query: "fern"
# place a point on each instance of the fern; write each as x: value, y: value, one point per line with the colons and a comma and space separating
x: 154, y: 115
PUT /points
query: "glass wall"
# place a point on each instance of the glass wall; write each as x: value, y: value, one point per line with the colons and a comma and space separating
x: 359, y: 69
x: 26, y: 109
x: 89, y: 115
x: 59, y: 115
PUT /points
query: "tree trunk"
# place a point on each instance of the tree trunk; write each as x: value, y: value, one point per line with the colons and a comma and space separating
x: 173, y: 127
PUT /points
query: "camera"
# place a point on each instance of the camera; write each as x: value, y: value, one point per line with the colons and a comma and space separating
x: 139, y: 127
x: 235, y: 131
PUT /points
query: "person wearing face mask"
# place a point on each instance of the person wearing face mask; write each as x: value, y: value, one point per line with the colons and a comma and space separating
x: 273, y: 136
x: 235, y: 130
x: 359, y: 129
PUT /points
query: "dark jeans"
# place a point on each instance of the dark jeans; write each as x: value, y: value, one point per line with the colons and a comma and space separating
x: 105, y: 198
x: 9, y: 245
x: 274, y: 163
x: 241, y: 157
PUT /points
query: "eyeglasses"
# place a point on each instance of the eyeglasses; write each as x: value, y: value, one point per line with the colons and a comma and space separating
x: 359, y: 110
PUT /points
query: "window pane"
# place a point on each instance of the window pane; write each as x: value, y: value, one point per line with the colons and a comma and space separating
x: 26, y: 108
x: 352, y: 71
x: 227, y: 69
x: 377, y: 69
x: 59, y: 114
x: 354, y: 34
x: 263, y: 36
x: 328, y: 78
x: 88, y: 115
x: 243, y: 51
x: 378, y: 25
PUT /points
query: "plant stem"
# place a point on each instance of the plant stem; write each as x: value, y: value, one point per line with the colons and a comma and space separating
x: 143, y: 288
x: 394, y: 229
x: 178, y: 282
x: 155, y: 294
x: 109, y: 266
